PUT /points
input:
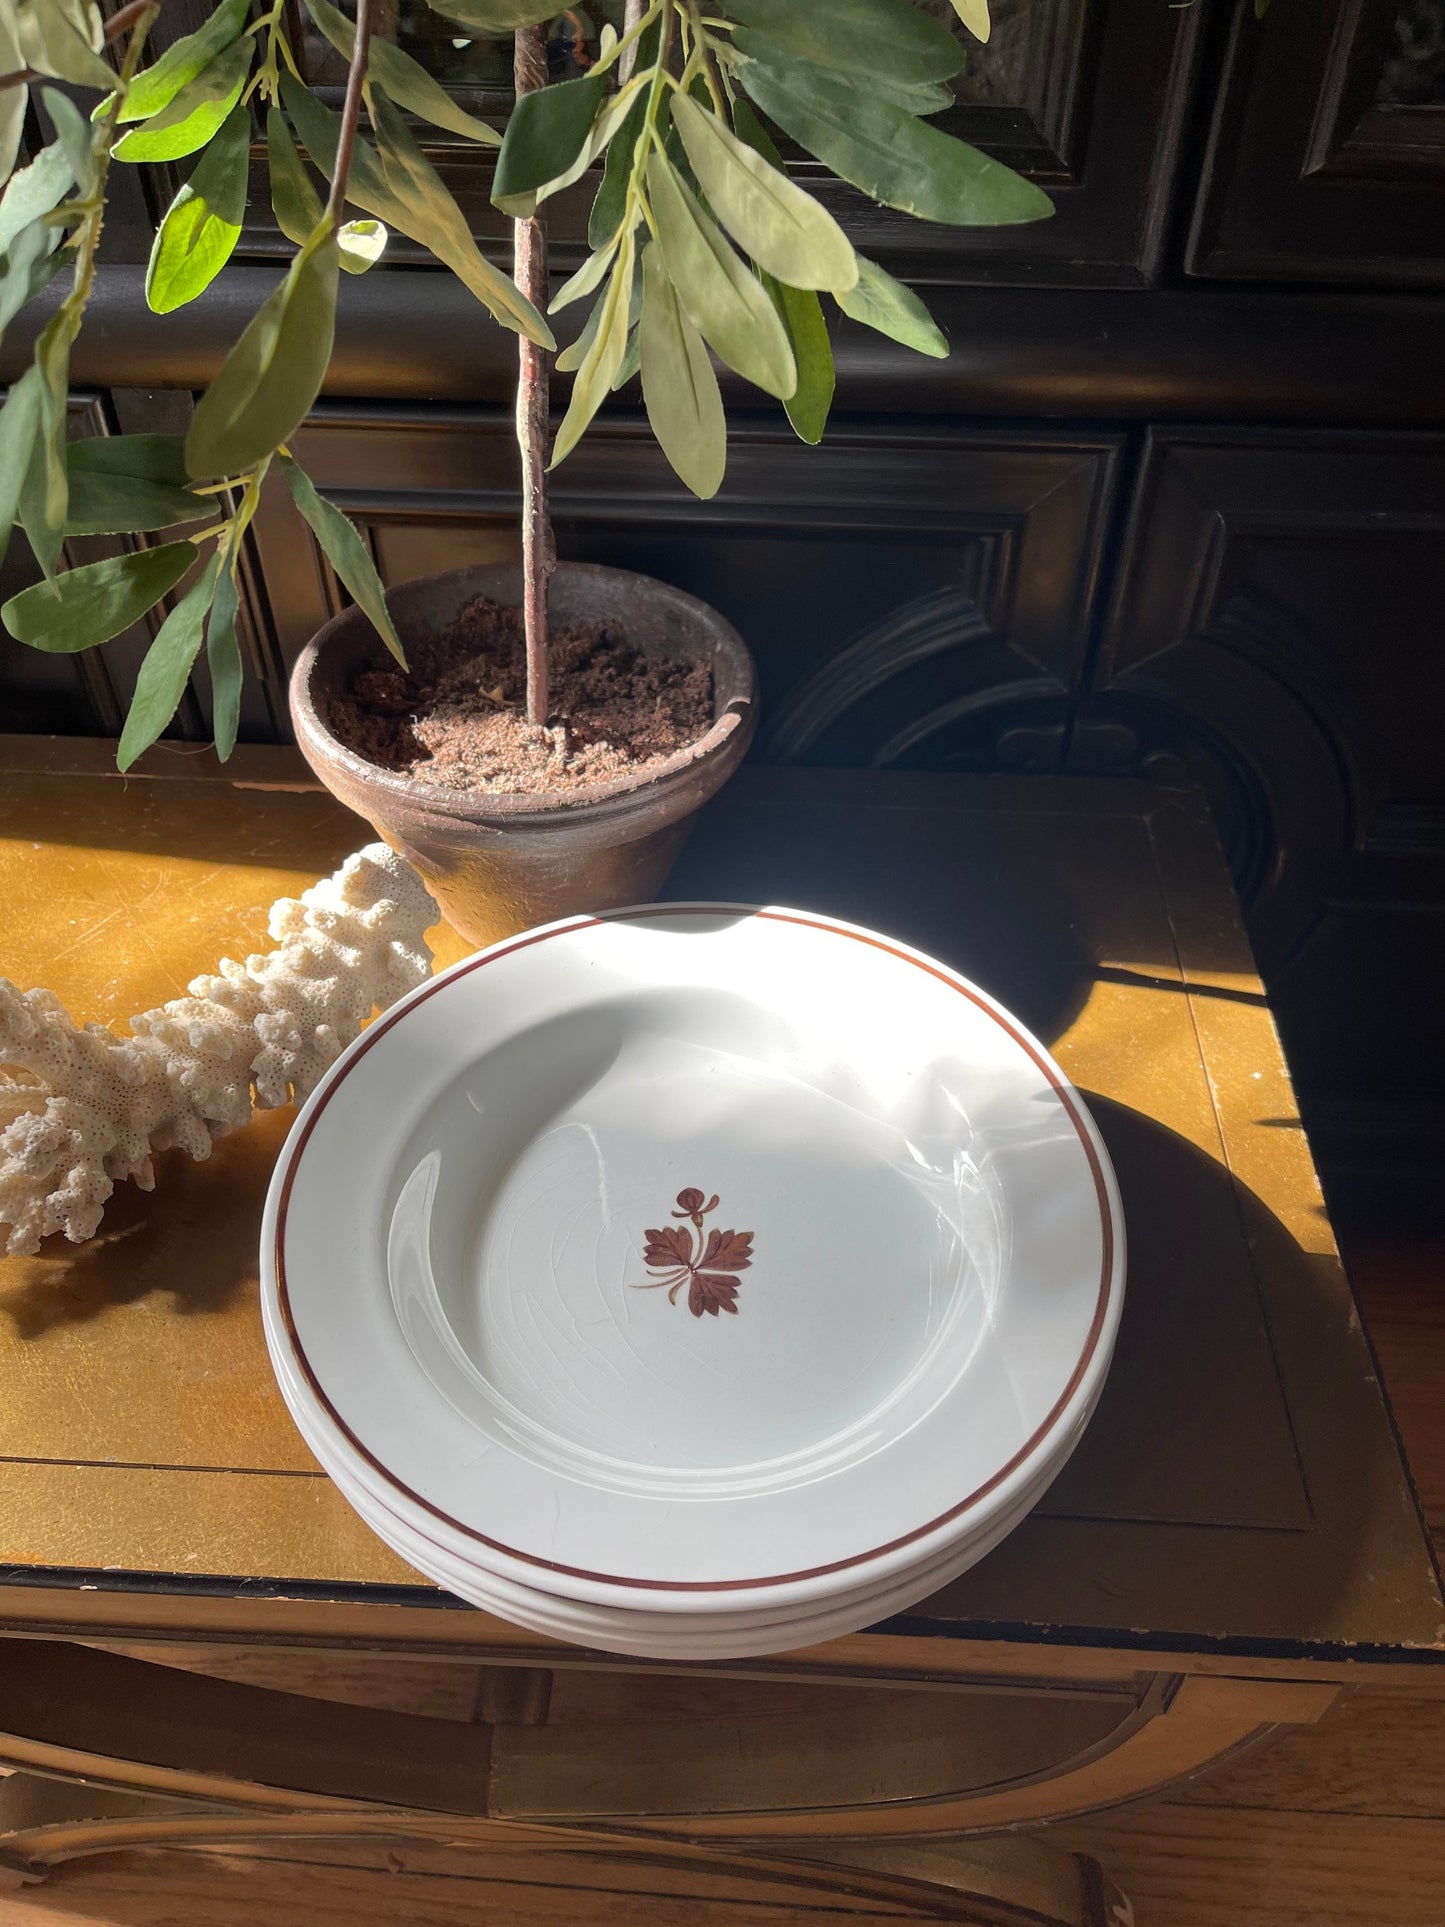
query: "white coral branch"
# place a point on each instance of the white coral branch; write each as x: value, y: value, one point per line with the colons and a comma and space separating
x: 83, y: 1109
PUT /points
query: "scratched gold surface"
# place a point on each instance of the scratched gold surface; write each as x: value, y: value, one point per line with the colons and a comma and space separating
x: 140, y: 1428
x: 143, y: 1348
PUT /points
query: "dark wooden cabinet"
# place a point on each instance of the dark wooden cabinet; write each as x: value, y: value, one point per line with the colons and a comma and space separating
x: 918, y: 597
x: 1326, y: 159
x: 1088, y: 97
x: 1276, y: 636
x: 1091, y: 99
x: 1276, y: 628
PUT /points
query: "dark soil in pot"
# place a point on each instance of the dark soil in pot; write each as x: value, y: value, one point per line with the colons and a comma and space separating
x: 605, y: 834
x: 456, y: 717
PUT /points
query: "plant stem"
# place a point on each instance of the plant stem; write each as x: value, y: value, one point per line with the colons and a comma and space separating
x: 350, y: 113
x: 529, y: 270
x: 87, y: 236
x: 709, y: 65
x: 631, y: 19
x: 114, y: 27
x: 648, y: 138
x: 121, y: 22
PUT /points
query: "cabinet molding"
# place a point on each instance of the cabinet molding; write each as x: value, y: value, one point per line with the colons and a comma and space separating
x: 914, y: 596
x: 1313, y: 172
x: 1275, y: 631
x: 1088, y: 97
x: 1087, y: 355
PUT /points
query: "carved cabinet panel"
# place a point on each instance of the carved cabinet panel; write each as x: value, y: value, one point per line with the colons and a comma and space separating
x: 914, y: 598
x: 1326, y: 158
x: 1276, y: 632
x: 1088, y: 97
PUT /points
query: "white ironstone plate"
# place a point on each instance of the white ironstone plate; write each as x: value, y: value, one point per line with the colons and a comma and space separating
x: 696, y: 1250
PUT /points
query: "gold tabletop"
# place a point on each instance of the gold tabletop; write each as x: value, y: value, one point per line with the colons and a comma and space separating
x: 1241, y: 1481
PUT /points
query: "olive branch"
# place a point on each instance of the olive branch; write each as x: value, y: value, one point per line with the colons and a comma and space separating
x: 703, y: 250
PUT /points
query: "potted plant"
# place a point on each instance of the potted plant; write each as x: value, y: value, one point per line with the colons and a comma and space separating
x: 529, y: 763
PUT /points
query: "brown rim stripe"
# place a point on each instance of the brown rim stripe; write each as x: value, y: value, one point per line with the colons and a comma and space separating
x: 1036, y: 1056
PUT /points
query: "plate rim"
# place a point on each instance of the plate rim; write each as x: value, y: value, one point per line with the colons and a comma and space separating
x: 1112, y: 1240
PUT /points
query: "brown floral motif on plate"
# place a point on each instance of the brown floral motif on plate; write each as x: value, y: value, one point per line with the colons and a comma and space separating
x: 702, y: 1264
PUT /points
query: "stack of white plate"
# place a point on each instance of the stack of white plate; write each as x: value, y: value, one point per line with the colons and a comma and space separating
x: 693, y: 1281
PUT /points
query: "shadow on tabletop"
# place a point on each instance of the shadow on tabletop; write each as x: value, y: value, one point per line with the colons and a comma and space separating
x: 965, y: 905
x: 1240, y: 1477
x: 192, y: 1238
x: 1035, y: 905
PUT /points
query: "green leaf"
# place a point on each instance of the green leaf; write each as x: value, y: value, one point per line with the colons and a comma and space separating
x: 362, y: 244
x: 880, y: 39
x: 148, y: 458
x: 604, y: 356
x: 19, y: 420
x: 167, y: 667
x: 13, y: 100
x: 931, y: 98
x: 223, y: 658
x: 546, y: 134
x: 631, y: 363
x: 784, y: 230
x: 297, y: 205
x: 585, y: 280
x: 974, y: 15
x: 632, y: 351
x: 203, y: 223
x: 91, y: 604
x: 573, y: 355
x: 45, y: 542
x: 294, y: 199
x: 75, y: 134
x: 880, y: 302
x: 599, y: 138
x: 610, y: 205
x: 440, y: 225
x: 51, y: 43
x: 273, y: 374
x: 401, y: 187
x: 749, y: 128
x: 897, y: 159
x: 13, y: 103
x: 496, y: 16
x: 196, y: 112
x: 679, y: 388
x: 46, y: 539
x: 801, y: 314
x: 45, y: 493
x: 156, y: 86
x: 123, y: 484
x: 126, y: 505
x: 83, y: 15
x: 29, y: 264
x: 28, y: 242
x: 34, y: 190
x: 345, y: 548
x: 722, y: 299
x: 402, y: 79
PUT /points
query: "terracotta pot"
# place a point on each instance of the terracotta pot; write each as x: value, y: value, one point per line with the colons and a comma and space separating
x: 498, y: 864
